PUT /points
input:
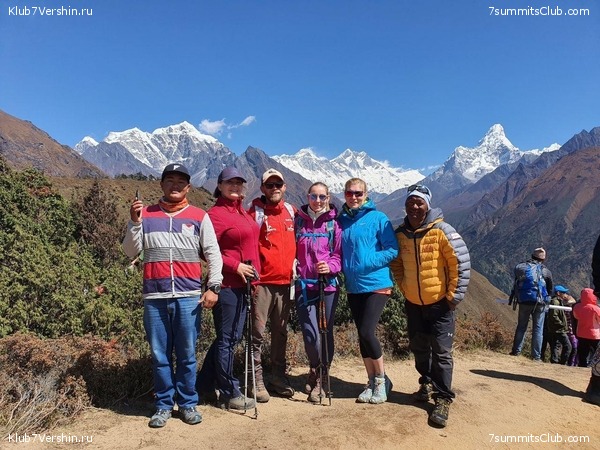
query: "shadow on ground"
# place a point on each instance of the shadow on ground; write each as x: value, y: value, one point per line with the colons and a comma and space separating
x: 545, y: 383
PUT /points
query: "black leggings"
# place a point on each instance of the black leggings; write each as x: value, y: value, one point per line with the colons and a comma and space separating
x: 366, y: 310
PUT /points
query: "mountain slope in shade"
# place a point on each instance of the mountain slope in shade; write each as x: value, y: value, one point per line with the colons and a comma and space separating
x: 253, y: 163
x: 558, y: 210
x: 499, y: 192
x: 23, y: 145
x: 380, y: 177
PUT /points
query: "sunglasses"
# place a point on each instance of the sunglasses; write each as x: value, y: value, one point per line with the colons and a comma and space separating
x: 315, y: 197
x: 277, y: 185
x: 418, y: 188
x: 357, y: 194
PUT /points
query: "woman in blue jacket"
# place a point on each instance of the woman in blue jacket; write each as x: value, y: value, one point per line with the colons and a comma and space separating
x: 368, y: 246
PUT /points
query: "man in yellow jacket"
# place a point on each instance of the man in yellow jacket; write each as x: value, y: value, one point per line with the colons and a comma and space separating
x: 432, y: 271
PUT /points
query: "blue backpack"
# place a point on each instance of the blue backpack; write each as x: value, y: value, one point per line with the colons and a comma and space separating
x: 530, y: 285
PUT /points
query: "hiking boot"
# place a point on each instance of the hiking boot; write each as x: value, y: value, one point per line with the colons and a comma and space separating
x: 381, y: 387
x: 311, y: 379
x: 317, y: 394
x: 424, y: 393
x: 439, y: 415
x: 367, y: 393
x: 262, y: 395
x: 238, y: 403
x: 159, y: 419
x: 281, y: 385
x: 513, y: 353
x: 190, y: 415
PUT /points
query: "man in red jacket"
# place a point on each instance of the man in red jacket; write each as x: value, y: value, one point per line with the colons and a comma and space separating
x: 277, y: 248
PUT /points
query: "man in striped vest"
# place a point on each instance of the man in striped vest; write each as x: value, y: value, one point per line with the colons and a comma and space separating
x: 174, y: 236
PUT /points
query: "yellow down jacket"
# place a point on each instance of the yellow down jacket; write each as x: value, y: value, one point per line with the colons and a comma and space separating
x: 433, y: 262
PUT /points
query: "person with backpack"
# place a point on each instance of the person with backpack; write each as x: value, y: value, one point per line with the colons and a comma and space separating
x: 368, y: 246
x: 174, y: 237
x: 319, y: 249
x: 273, y: 298
x: 237, y: 234
x: 533, y: 282
x: 433, y: 271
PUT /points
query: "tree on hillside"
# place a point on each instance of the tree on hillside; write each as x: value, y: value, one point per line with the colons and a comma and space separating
x: 99, y: 226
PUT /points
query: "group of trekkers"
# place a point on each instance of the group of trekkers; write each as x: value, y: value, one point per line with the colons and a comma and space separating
x: 570, y: 328
x: 263, y: 261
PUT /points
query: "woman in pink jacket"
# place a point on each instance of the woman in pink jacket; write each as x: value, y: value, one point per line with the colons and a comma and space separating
x: 587, y: 313
x: 318, y: 237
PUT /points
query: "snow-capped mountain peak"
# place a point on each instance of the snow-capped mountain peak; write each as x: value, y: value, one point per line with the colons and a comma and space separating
x: 181, y: 142
x: 380, y: 177
x: 84, y: 144
x: 492, y: 151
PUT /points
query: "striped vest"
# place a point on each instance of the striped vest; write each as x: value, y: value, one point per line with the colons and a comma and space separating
x: 172, y: 253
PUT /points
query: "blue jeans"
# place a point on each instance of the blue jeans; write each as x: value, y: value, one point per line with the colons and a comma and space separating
x: 307, y: 317
x: 173, y: 325
x: 229, y: 315
x: 536, y: 312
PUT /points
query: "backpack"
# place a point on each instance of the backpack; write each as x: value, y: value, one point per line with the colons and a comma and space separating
x: 330, y: 233
x: 530, y: 285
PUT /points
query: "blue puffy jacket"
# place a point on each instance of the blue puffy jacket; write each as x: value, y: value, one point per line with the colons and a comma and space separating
x: 368, y: 246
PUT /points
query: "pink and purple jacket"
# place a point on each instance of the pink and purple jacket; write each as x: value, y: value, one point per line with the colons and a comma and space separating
x: 237, y: 233
x: 587, y: 314
x: 313, y: 245
x: 172, y: 245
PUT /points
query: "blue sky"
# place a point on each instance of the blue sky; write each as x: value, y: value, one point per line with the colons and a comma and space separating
x: 405, y: 81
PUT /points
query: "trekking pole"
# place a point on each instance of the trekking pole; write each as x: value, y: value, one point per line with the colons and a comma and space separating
x: 248, y: 351
x: 322, y: 317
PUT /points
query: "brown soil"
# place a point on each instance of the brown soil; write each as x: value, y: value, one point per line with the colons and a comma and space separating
x: 499, y: 398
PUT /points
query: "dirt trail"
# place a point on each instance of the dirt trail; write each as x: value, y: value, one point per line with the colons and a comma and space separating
x: 499, y: 398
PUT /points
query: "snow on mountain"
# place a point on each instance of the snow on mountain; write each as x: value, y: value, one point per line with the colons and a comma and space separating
x: 85, y: 143
x: 492, y: 151
x: 182, y: 142
x: 380, y: 176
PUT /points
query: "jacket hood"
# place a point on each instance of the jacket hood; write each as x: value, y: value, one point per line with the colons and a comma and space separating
x: 588, y: 297
x: 353, y: 214
x: 329, y: 215
x: 433, y: 216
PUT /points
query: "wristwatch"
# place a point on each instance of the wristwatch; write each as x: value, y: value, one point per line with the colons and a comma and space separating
x: 216, y: 288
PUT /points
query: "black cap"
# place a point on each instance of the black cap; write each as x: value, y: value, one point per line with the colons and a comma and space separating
x: 176, y: 168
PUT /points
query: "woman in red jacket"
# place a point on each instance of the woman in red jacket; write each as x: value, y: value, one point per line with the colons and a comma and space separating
x: 237, y: 234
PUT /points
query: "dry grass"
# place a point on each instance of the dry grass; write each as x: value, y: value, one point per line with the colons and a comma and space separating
x: 47, y: 382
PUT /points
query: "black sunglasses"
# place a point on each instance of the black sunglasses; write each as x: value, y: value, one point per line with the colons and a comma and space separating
x: 418, y: 188
x: 277, y: 185
x: 357, y: 194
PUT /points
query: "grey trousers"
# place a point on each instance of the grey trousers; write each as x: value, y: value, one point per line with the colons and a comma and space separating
x: 272, y: 301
